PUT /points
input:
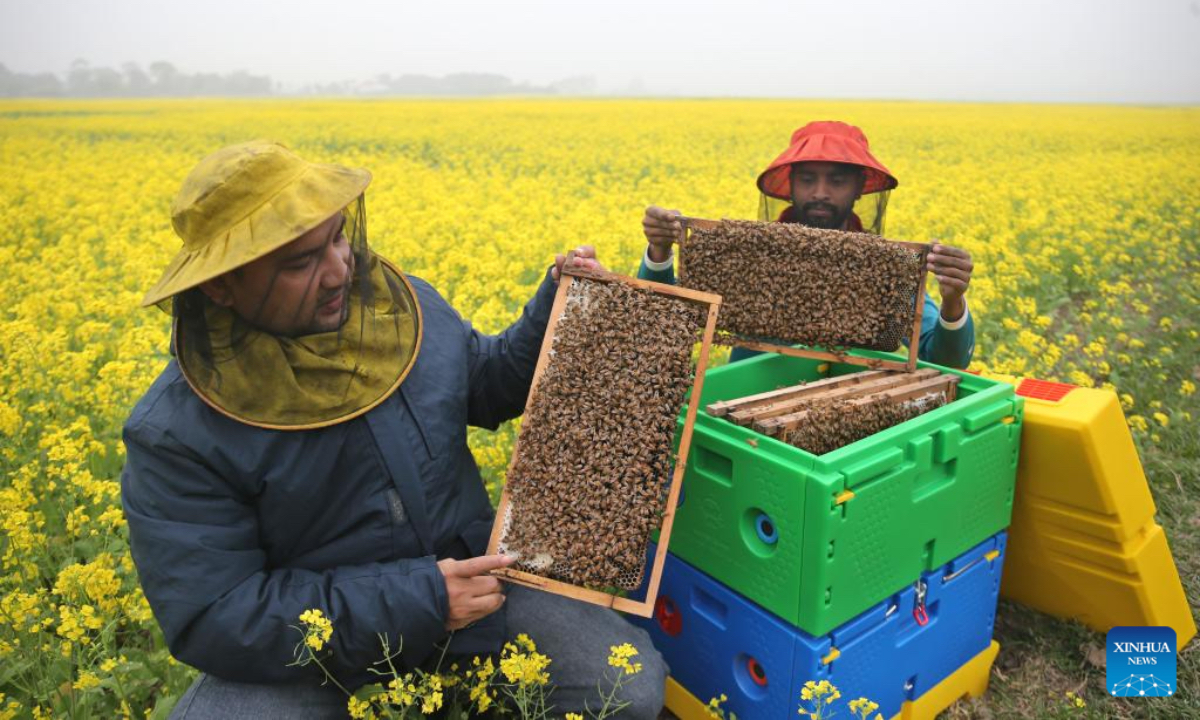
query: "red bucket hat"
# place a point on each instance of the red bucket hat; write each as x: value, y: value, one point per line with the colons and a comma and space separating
x: 825, y: 141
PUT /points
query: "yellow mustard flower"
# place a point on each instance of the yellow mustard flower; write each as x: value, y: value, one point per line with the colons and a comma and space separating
x: 317, y: 628
x: 620, y: 657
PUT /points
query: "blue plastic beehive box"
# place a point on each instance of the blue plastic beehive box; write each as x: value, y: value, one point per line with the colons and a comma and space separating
x: 718, y: 642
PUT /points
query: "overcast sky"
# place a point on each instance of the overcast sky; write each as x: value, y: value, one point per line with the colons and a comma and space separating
x: 1127, y: 51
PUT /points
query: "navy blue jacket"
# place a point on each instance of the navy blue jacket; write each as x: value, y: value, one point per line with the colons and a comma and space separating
x: 236, y: 530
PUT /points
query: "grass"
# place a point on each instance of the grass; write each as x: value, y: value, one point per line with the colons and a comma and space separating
x: 1041, y: 658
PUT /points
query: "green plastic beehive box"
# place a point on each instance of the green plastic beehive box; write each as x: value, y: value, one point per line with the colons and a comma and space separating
x: 776, y: 523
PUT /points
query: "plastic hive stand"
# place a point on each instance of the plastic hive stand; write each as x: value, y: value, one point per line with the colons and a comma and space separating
x: 718, y: 642
x: 970, y: 680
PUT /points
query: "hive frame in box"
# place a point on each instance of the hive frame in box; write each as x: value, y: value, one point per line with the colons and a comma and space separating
x: 730, y: 408
x: 788, y: 402
x: 690, y: 223
x: 911, y: 390
x: 645, y: 607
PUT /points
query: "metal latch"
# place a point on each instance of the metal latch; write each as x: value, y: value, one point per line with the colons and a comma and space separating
x: 919, y: 613
x: 989, y: 557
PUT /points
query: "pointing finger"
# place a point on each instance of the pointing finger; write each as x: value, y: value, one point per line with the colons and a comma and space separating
x: 481, y: 565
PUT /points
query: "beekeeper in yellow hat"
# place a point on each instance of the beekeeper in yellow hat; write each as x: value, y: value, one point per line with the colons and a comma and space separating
x: 306, y: 449
x: 284, y: 318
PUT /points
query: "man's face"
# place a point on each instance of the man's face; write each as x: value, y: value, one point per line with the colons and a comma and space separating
x: 300, y: 289
x: 823, y: 193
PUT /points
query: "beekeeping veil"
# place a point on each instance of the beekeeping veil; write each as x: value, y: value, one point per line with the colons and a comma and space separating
x: 827, y: 141
x: 237, y: 206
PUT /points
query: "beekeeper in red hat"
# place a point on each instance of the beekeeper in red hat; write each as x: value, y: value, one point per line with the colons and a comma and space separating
x: 828, y: 178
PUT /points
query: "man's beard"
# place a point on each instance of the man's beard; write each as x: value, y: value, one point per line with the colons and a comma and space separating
x: 835, y: 220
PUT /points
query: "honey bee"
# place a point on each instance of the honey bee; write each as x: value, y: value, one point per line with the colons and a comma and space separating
x: 830, y: 425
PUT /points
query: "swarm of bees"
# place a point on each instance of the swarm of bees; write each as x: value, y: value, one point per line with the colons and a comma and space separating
x: 794, y: 284
x: 825, y: 415
x: 594, y: 457
x: 836, y: 424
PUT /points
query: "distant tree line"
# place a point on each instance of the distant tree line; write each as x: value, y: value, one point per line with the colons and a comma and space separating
x: 162, y: 79
x: 159, y: 79
x: 453, y: 84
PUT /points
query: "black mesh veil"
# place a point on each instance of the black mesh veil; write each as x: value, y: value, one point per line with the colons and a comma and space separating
x: 870, y: 209
x: 192, y: 309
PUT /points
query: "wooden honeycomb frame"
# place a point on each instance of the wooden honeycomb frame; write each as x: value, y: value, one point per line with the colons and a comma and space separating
x: 778, y: 411
x: 644, y: 607
x: 690, y: 223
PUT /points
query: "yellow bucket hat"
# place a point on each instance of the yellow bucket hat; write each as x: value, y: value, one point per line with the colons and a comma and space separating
x: 244, y: 201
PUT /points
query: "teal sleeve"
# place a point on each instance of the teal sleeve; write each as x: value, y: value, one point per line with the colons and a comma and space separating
x: 663, y: 276
x: 951, y: 348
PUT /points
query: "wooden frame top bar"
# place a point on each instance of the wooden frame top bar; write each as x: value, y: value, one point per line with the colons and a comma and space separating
x: 699, y: 296
x: 775, y: 426
x: 723, y: 407
x: 787, y: 405
x: 692, y: 223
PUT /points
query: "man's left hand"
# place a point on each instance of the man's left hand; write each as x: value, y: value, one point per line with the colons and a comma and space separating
x: 581, y: 258
x: 952, y: 267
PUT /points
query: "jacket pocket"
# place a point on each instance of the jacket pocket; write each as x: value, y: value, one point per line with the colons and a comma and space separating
x: 419, y: 424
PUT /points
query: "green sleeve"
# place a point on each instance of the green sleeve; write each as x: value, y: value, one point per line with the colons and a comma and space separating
x: 663, y: 276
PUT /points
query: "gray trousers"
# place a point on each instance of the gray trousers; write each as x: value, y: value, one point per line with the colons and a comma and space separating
x: 575, y: 636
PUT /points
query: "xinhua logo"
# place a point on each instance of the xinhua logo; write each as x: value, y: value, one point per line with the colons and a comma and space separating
x: 1140, y: 661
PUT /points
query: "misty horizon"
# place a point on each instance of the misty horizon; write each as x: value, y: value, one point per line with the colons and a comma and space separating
x: 163, y: 79
x: 1070, y: 51
x: 132, y: 81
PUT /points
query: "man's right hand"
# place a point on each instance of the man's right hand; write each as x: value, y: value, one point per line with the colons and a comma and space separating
x: 473, y: 593
x: 662, y: 229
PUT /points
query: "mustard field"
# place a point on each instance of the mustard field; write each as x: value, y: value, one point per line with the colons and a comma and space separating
x: 1083, y: 222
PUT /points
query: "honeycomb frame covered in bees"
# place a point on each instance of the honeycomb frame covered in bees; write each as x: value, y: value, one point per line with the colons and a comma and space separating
x: 784, y: 284
x: 594, y: 471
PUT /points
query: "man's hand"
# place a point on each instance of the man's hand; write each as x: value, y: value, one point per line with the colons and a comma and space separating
x: 581, y: 258
x: 952, y: 267
x: 662, y: 229
x: 472, y: 592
